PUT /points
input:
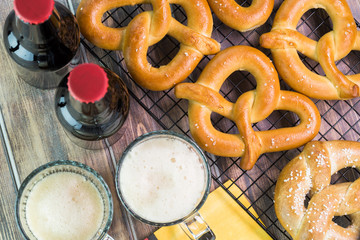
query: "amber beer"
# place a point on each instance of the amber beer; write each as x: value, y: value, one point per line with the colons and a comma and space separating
x: 64, y: 200
x: 162, y: 178
x: 64, y: 205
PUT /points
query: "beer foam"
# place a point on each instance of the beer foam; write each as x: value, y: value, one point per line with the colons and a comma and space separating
x: 162, y: 179
x: 64, y: 206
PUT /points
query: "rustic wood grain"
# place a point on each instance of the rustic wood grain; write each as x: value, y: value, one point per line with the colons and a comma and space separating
x: 355, y: 8
x: 8, y: 228
x: 36, y: 138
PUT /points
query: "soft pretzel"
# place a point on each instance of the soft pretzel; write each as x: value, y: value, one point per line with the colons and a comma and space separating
x: 284, y: 42
x: 242, y: 18
x: 311, y: 172
x: 253, y: 106
x: 148, y: 28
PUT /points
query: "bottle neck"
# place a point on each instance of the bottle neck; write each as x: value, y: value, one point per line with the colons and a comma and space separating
x: 90, y: 111
x: 40, y: 33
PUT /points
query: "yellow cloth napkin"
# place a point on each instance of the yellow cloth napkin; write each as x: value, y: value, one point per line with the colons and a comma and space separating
x: 224, y: 216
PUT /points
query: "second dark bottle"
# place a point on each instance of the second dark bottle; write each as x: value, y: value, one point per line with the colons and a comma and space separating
x: 92, y: 104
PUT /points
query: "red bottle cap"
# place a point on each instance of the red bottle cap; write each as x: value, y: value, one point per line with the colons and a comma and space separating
x: 34, y: 11
x: 88, y: 83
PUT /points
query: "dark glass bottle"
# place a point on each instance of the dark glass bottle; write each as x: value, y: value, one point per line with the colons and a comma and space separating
x: 42, y: 41
x: 92, y: 104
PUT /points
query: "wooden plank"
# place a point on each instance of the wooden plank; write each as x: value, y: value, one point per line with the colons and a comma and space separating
x: 355, y: 8
x: 8, y: 227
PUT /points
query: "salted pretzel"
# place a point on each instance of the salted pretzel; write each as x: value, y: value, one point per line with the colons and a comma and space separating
x: 242, y: 18
x: 148, y: 28
x: 311, y: 172
x: 284, y: 42
x: 252, y: 106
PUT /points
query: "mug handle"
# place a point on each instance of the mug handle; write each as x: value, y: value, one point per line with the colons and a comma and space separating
x: 196, y: 228
x: 107, y: 237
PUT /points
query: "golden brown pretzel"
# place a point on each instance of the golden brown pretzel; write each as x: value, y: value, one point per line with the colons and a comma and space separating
x: 148, y: 28
x: 242, y: 18
x: 311, y: 172
x: 284, y: 42
x: 253, y: 106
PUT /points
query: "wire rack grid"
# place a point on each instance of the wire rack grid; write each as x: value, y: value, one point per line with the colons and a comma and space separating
x: 340, y: 119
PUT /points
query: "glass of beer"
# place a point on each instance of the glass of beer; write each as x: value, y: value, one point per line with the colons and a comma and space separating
x: 162, y: 179
x: 64, y: 200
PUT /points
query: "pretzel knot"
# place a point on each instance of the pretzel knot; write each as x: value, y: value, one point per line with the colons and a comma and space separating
x: 284, y: 42
x: 253, y: 106
x: 148, y: 28
x: 311, y: 172
x: 242, y: 18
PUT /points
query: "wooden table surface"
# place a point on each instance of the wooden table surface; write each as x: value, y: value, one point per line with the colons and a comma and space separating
x: 32, y: 136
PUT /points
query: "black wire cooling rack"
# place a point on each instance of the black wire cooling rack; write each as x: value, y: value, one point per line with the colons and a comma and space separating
x: 340, y: 119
